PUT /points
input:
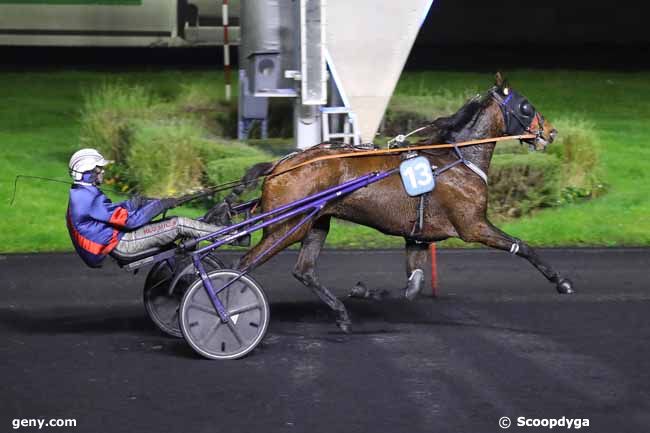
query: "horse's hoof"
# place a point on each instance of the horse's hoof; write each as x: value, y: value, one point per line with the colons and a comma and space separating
x: 359, y: 291
x: 414, y: 284
x: 565, y: 286
x: 345, y: 325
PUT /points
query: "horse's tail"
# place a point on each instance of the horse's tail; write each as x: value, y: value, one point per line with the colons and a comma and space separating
x: 221, y: 213
x: 250, y: 179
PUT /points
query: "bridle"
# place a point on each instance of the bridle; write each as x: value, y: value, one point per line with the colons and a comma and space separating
x: 519, y: 114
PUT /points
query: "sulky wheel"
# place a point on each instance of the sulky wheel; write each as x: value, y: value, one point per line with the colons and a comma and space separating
x: 249, y: 316
x: 163, y: 308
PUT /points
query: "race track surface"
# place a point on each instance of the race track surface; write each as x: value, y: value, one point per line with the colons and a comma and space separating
x: 497, y: 341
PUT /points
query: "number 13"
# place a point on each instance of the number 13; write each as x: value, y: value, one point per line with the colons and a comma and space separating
x: 422, y: 177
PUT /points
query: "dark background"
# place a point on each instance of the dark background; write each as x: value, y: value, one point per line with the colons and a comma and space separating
x: 555, y: 33
x: 457, y: 34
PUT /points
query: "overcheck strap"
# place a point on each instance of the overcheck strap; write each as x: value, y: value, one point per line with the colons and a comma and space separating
x: 402, y: 149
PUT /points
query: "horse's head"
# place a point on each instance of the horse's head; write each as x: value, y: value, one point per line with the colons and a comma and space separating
x: 521, y: 117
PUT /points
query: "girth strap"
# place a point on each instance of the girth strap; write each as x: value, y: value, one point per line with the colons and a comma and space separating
x: 418, y: 224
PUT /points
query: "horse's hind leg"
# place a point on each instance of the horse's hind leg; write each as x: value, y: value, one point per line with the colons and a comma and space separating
x: 305, y: 270
x: 264, y: 249
x: 485, y: 233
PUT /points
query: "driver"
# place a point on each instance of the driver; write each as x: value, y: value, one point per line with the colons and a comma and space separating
x: 98, y: 226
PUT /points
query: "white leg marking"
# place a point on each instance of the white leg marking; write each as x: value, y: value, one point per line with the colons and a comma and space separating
x: 514, y: 249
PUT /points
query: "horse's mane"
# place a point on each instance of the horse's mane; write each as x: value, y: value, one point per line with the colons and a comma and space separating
x: 444, y: 129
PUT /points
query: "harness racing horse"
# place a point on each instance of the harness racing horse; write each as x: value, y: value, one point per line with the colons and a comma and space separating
x: 455, y: 208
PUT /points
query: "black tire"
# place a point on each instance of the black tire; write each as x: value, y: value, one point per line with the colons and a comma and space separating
x: 207, y: 334
x: 161, y: 308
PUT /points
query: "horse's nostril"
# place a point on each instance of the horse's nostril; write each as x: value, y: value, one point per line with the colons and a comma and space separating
x: 553, y: 134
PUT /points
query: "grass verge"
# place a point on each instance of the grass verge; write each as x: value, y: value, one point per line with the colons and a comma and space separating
x: 40, y: 128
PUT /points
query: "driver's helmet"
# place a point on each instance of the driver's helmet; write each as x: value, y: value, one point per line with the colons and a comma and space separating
x: 85, y: 160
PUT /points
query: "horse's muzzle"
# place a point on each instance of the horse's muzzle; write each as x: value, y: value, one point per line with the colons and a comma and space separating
x: 540, y: 142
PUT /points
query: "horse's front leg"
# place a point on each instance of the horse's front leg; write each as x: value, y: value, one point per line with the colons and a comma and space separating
x: 487, y: 234
x: 417, y: 255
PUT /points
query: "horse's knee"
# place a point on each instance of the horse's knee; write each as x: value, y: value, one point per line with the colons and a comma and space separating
x: 470, y: 235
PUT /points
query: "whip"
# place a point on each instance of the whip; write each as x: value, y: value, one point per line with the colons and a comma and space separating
x: 183, y: 199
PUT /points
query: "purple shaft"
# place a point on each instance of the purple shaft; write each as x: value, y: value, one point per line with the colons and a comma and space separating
x: 317, y: 200
x: 264, y: 253
x: 284, y: 208
x: 207, y: 285
x: 285, y: 236
x: 313, y: 203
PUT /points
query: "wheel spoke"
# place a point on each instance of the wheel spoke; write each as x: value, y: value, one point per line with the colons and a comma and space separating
x: 233, y: 329
x: 211, y: 333
x: 159, y: 283
x: 244, y: 309
x: 203, y: 309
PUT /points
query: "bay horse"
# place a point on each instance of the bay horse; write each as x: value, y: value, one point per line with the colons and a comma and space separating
x: 455, y: 208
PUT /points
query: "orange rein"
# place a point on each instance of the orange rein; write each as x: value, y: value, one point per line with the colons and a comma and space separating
x: 401, y: 149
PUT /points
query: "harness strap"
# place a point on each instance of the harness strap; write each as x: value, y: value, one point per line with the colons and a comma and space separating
x: 469, y: 164
x: 403, y: 149
x: 476, y: 169
x: 418, y: 224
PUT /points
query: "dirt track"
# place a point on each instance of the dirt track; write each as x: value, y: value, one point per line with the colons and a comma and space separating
x: 498, y: 341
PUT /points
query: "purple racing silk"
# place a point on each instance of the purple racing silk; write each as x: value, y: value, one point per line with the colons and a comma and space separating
x: 96, y: 224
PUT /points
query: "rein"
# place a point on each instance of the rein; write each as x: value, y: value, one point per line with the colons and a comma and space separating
x: 402, y: 149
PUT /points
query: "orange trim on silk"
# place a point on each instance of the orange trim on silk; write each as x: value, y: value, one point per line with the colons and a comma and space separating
x: 119, y: 217
x: 91, y: 246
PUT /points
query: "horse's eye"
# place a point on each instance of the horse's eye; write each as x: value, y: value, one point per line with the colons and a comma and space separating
x: 527, y: 109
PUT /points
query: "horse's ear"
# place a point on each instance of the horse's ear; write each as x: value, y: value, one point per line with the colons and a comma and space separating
x: 499, y: 81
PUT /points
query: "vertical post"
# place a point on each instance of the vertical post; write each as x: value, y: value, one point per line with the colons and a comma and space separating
x: 226, y: 49
x: 326, y: 126
x: 434, y: 269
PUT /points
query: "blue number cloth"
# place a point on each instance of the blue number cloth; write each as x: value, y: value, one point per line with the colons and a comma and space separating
x: 417, y: 176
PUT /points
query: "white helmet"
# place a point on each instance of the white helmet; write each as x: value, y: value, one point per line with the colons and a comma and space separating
x: 85, y: 160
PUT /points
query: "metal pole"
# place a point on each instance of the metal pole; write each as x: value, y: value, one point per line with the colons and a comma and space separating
x: 226, y: 50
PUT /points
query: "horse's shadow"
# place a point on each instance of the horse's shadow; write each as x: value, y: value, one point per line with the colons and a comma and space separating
x: 391, y: 316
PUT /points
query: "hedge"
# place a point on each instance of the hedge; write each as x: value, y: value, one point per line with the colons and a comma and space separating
x: 519, y: 183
